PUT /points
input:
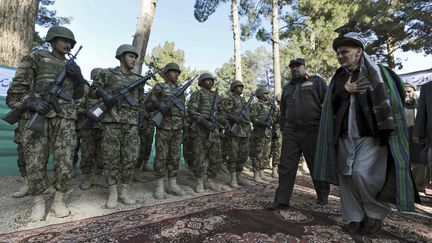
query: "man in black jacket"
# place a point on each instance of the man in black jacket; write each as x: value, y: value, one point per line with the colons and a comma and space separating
x: 300, y: 117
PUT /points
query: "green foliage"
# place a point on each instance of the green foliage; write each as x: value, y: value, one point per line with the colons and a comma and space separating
x: 47, y: 18
x: 204, y: 8
x: 166, y: 53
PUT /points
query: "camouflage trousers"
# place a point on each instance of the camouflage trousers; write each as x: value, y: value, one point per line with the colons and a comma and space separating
x: 77, y: 149
x: 168, y: 144
x: 187, y: 150
x: 260, y: 152
x: 119, y: 148
x: 59, y: 137
x: 146, y: 141
x: 17, y: 139
x: 276, y: 146
x: 206, y: 157
x: 237, y: 151
x: 91, y: 156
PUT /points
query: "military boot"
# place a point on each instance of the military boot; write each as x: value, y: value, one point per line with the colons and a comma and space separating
x: 59, y: 207
x: 242, y: 181
x: 113, y: 197
x: 159, y: 192
x: 87, y: 182
x: 38, y: 209
x: 211, y: 184
x: 257, y: 177
x: 264, y: 176
x: 200, y: 185
x: 23, y: 190
x: 174, y: 188
x: 234, y: 183
x: 275, y: 173
x: 124, y: 195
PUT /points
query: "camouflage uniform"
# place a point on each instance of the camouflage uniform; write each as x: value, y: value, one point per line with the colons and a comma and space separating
x: 34, y: 74
x: 17, y: 139
x: 237, y: 145
x: 168, y: 133
x: 276, y: 142
x: 120, y: 140
x: 260, y: 144
x: 146, y: 131
x: 206, y: 145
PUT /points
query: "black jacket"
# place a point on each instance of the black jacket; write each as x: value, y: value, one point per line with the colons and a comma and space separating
x: 423, y: 122
x: 301, y: 103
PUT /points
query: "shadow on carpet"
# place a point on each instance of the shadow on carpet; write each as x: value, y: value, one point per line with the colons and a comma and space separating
x: 234, y: 216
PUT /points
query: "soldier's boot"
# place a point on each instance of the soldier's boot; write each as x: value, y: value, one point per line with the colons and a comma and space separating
x: 38, y: 209
x: 59, y: 207
x: 174, y: 188
x: 200, y: 185
x: 159, y: 192
x: 22, y: 191
x: 257, y: 177
x: 87, y: 182
x: 275, y: 173
x: 264, y: 176
x: 211, y: 184
x: 242, y: 181
x: 234, y: 183
x: 224, y: 168
x: 112, y: 201
x: 124, y: 195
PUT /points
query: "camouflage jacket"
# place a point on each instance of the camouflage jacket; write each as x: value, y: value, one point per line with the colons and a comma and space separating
x: 259, y: 111
x: 33, y: 76
x: 200, y: 106
x: 276, y: 131
x: 111, y: 79
x: 161, y: 92
x: 232, y: 106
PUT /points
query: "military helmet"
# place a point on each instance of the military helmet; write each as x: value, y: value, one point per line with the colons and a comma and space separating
x: 95, y: 72
x: 60, y: 31
x: 125, y: 48
x: 171, y: 66
x: 236, y: 83
x: 205, y: 76
x: 260, y: 91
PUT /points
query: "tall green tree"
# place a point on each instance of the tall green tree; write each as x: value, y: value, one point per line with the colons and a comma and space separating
x: 166, y: 53
x: 204, y: 8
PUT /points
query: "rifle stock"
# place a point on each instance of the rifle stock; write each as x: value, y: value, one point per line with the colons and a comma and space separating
x: 12, y: 116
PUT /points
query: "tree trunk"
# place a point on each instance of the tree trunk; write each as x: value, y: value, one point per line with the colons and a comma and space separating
x: 142, y: 33
x: 275, y: 41
x: 390, y: 53
x: 236, y: 36
x: 17, y: 28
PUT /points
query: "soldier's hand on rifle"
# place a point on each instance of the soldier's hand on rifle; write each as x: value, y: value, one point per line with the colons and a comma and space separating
x: 164, y: 107
x: 38, y: 105
x: 263, y: 123
x: 74, y: 72
x: 246, y: 117
x: 107, y: 98
x: 234, y: 118
x: 208, y: 124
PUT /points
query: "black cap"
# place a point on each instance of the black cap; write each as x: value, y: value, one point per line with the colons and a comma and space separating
x: 300, y: 61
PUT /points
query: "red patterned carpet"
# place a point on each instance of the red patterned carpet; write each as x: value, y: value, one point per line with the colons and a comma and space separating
x: 234, y: 216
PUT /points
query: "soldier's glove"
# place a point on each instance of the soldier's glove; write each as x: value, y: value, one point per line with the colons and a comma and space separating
x: 225, y: 125
x: 234, y: 118
x: 246, y: 117
x: 74, y: 72
x: 107, y: 98
x: 263, y: 123
x: 38, y: 105
x: 164, y: 107
x: 208, y: 124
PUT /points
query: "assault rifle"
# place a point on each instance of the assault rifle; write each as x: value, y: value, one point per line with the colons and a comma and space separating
x: 235, y: 128
x: 213, y: 113
x: 120, y: 95
x: 51, y: 95
x: 53, y: 92
x: 173, y: 101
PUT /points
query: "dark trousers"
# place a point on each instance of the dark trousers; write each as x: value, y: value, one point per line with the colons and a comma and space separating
x: 295, y: 143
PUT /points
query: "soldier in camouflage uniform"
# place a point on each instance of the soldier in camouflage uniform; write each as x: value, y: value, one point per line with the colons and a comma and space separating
x: 169, y: 132
x: 20, y: 160
x: 261, y: 134
x: 276, y: 143
x: 237, y: 143
x: 146, y: 131
x: 33, y: 76
x: 120, y: 140
x: 91, y: 157
x: 206, y: 147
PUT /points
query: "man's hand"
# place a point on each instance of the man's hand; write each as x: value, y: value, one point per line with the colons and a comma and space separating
x: 357, y: 87
x: 106, y: 96
x: 208, y: 124
x: 164, y: 107
x: 38, y: 105
x: 74, y: 71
